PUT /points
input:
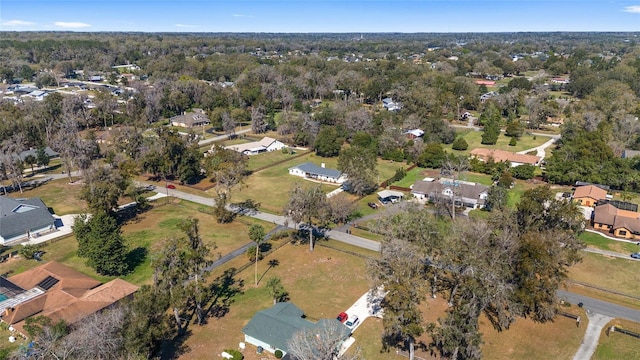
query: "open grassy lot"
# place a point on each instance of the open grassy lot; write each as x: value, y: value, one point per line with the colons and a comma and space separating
x: 600, y: 242
x: 614, y: 345
x: 265, y: 159
x: 322, y: 283
x: 270, y: 187
x: 616, y: 274
x: 59, y: 195
x: 474, y: 139
x: 412, y: 176
x: 146, y: 234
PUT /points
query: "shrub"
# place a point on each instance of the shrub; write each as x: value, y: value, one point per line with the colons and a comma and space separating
x: 460, y: 144
x: 28, y: 251
x: 513, y: 141
x: 237, y: 355
x: 278, y: 354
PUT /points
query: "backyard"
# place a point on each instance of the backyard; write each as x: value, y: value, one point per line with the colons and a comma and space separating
x: 474, y: 139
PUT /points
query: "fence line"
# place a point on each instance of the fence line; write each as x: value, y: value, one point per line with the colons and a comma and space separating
x: 616, y: 328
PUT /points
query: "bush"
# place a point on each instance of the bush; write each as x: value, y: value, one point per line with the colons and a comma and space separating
x: 513, y: 141
x: 278, y: 354
x: 29, y: 250
x: 460, y: 144
x: 237, y: 355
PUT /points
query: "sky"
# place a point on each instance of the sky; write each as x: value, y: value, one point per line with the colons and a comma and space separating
x: 313, y: 16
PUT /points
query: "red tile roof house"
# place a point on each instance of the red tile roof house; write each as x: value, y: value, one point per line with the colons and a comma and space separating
x: 589, y: 195
x: 503, y: 155
x: 621, y: 223
x: 58, y: 292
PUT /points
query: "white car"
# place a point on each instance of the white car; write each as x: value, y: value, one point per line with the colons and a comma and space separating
x: 352, y: 321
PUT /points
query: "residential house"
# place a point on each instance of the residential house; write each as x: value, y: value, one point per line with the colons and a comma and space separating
x: 486, y: 96
x: 485, y: 82
x: 390, y: 196
x: 588, y: 195
x: 414, y: 133
x: 266, y: 144
x: 57, y: 292
x: 621, y: 223
x: 628, y: 153
x: 34, y: 152
x: 320, y: 173
x: 391, y: 105
x: 95, y: 78
x: 190, y: 119
x: 467, y: 194
x: 37, y: 95
x: 503, y: 155
x: 271, y: 329
x: 21, y: 219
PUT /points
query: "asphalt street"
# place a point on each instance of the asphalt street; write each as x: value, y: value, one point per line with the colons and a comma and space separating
x: 601, y: 307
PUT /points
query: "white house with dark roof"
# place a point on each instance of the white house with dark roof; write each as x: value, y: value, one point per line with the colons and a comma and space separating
x: 21, y: 219
x: 467, y: 194
x: 320, y: 173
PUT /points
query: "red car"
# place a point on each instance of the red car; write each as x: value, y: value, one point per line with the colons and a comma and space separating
x: 171, y: 186
x: 342, y: 317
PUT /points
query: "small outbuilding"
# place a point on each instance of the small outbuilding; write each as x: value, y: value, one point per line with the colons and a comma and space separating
x: 390, y: 196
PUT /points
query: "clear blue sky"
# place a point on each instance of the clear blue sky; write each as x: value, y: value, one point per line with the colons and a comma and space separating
x: 320, y: 15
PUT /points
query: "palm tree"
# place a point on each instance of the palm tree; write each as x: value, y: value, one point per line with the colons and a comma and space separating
x: 256, y: 233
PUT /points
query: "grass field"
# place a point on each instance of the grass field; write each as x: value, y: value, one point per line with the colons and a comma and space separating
x: 412, y: 176
x: 615, y: 345
x: 270, y: 187
x: 265, y: 159
x: 147, y: 233
x: 474, y: 139
x: 59, y: 195
x: 620, y: 275
x: 600, y: 242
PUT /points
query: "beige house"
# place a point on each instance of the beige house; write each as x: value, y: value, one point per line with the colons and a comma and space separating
x: 588, y: 195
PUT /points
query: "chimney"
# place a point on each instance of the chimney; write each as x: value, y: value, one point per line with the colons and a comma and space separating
x: 322, y: 165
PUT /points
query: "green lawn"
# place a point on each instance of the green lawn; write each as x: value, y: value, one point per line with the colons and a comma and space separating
x: 412, y: 176
x: 474, y: 139
x: 616, y: 345
x: 265, y: 159
x: 59, y: 195
x: 270, y: 187
x: 147, y: 233
x: 601, y: 242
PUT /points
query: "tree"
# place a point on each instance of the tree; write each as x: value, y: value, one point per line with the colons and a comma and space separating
x: 228, y: 124
x: 432, y: 156
x: 258, y: 123
x: 146, y: 323
x: 228, y: 169
x: 401, y: 271
x: 257, y: 234
x: 30, y: 160
x: 100, y: 242
x: 340, y: 208
x: 460, y: 144
x: 102, y: 189
x: 307, y: 205
x: 328, y: 142
x: 276, y: 289
x: 496, y: 198
x: 514, y: 129
x: 319, y: 343
x: 359, y: 163
x: 42, y: 159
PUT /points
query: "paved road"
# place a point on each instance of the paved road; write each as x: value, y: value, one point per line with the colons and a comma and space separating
x: 601, y: 307
x: 220, y: 137
x: 610, y: 253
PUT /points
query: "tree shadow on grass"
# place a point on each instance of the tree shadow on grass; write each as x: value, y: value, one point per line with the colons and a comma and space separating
x: 272, y: 263
x: 174, y: 348
x: 223, y: 289
x: 136, y: 257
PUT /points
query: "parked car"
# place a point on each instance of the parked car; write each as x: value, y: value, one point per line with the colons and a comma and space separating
x: 635, y: 255
x: 342, y: 317
x: 171, y: 186
x: 352, y: 321
x: 373, y: 205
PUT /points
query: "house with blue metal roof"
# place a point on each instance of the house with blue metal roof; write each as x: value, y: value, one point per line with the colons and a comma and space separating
x: 21, y: 219
x: 312, y: 171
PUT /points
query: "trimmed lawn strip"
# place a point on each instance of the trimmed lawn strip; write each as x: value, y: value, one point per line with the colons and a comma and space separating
x: 59, y: 195
x: 474, y: 139
x: 615, y: 345
x: 616, y: 274
x: 412, y: 176
x: 601, y: 242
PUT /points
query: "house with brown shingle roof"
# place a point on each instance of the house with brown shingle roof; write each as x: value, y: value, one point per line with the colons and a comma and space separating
x: 588, y: 195
x: 59, y: 293
x: 190, y: 119
x: 502, y: 155
x: 621, y: 223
